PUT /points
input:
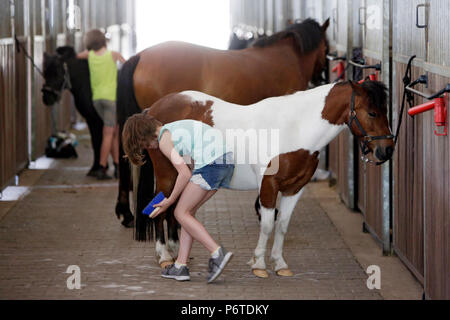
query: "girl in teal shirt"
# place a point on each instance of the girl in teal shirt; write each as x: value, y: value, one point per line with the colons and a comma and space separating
x: 213, y: 169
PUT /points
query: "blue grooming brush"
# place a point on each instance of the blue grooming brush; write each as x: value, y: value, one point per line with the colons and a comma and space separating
x: 149, y: 209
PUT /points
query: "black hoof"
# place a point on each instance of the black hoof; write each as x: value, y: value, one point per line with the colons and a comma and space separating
x: 128, y: 222
x: 93, y: 172
x: 123, y: 210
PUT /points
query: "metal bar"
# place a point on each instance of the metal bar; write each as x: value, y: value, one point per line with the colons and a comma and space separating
x: 365, y: 66
x: 443, y: 71
x: 386, y: 168
x: 13, y: 85
x: 428, y: 97
x: 334, y: 57
x: 352, y: 143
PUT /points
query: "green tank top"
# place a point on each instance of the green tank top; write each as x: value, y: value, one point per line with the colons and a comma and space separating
x: 201, y: 142
x: 103, y: 73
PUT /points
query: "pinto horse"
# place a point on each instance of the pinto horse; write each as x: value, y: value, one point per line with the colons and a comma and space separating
x: 306, y: 121
x: 280, y: 64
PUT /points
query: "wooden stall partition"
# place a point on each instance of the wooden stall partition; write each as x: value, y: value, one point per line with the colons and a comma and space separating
x: 437, y: 203
x: 370, y: 180
x: 422, y: 161
x: 42, y: 123
x: 437, y: 165
x: 7, y: 113
x: 21, y: 132
x: 8, y: 161
x: 340, y: 150
x: 408, y: 233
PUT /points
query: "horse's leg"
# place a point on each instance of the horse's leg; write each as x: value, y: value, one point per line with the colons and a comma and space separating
x: 173, y: 242
x: 162, y: 253
x: 268, y: 196
x: 143, y: 189
x: 144, y: 181
x: 95, y: 126
x: 123, y: 201
x: 287, y: 205
x: 267, y: 222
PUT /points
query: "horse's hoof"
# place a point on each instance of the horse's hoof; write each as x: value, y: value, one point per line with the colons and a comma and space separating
x: 260, y: 273
x: 164, y: 264
x: 128, y: 222
x: 285, y: 273
x: 93, y: 172
x: 123, y: 209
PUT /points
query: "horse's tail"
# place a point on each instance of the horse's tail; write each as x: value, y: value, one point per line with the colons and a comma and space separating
x: 127, y: 106
x: 126, y: 100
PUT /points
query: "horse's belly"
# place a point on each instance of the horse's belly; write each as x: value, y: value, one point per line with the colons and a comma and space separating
x: 244, y: 178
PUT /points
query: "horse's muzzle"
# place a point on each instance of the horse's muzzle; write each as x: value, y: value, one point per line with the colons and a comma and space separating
x: 384, y: 153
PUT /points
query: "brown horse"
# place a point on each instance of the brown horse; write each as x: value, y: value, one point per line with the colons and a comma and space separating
x: 305, y: 121
x: 280, y: 64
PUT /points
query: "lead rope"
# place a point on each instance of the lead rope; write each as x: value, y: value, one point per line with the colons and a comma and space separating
x: 25, y: 52
x: 407, y: 96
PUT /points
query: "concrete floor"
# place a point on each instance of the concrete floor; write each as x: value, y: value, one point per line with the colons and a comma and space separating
x: 68, y: 219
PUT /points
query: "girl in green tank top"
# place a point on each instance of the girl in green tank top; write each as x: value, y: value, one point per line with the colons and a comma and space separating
x: 103, y: 77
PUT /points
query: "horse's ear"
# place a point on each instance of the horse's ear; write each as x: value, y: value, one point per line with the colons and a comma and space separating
x: 357, y: 89
x: 325, y: 25
x: 66, y: 52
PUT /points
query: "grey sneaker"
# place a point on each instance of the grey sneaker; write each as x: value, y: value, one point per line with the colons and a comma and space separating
x: 216, y: 265
x: 172, y: 272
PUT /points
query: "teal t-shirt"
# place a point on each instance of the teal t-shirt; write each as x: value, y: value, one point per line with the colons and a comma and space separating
x: 201, y: 142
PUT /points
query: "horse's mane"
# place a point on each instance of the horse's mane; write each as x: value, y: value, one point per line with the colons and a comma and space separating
x: 307, y: 36
x: 376, y: 92
x: 50, y: 61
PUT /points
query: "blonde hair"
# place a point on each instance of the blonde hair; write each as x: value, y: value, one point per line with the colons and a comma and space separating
x: 95, y: 40
x: 137, y: 131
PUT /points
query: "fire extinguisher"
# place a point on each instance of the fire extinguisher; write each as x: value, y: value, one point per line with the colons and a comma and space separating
x: 339, y: 69
x: 371, y: 77
x: 440, y: 113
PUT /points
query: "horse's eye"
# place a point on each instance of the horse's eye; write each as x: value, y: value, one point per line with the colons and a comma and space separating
x: 372, y: 114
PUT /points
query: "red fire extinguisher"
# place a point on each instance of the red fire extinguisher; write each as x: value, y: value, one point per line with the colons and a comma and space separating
x: 371, y: 77
x: 440, y: 113
x: 339, y: 69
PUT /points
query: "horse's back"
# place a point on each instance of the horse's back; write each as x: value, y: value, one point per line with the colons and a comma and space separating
x: 167, y: 67
x: 178, y: 66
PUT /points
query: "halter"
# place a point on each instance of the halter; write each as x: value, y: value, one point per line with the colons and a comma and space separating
x: 65, y: 85
x: 366, y: 139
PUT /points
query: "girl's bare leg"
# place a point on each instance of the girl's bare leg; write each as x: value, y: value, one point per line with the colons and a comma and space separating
x: 188, y: 202
x: 108, y: 133
x: 185, y: 238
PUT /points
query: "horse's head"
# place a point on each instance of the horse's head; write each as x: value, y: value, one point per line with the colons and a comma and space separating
x: 367, y: 120
x: 56, y: 74
x: 321, y: 59
x: 309, y: 39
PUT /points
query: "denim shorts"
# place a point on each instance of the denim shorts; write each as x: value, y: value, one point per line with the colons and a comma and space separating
x: 215, y: 175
